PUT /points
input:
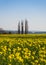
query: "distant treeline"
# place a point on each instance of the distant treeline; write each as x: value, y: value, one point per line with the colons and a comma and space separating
x: 16, y: 32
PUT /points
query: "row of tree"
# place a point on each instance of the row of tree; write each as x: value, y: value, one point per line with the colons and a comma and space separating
x: 21, y: 27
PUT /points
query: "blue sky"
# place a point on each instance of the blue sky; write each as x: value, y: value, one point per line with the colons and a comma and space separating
x: 13, y: 11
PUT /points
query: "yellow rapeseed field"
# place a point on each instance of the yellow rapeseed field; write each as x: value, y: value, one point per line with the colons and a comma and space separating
x: 18, y: 49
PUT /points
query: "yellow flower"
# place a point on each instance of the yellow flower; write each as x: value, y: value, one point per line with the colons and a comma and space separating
x: 11, y: 56
x: 36, y: 61
x: 43, y: 48
x: 26, y: 49
x: 42, y: 59
x: 33, y: 52
x: 9, y: 49
x: 9, y: 64
x: 4, y: 48
x: 32, y: 57
x: 18, y: 48
x: 32, y: 63
x: 1, y: 53
x: 17, y: 54
x: 26, y: 56
x: 14, y: 50
x: 20, y: 59
x: 29, y: 54
x: 38, y: 64
x: 30, y: 44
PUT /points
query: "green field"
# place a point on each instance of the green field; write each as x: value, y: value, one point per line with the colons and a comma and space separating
x: 18, y: 49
